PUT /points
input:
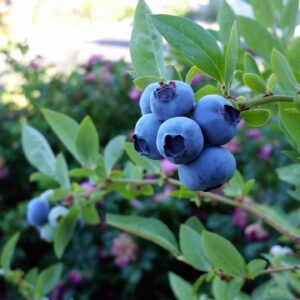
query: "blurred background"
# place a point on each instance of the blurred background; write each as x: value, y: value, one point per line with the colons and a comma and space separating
x: 72, y: 56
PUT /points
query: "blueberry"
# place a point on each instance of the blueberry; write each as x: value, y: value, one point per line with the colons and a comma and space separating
x: 145, y: 98
x: 56, y: 213
x: 179, y: 140
x: 145, y: 136
x: 217, y: 118
x: 172, y: 99
x: 213, y: 167
x: 37, y: 212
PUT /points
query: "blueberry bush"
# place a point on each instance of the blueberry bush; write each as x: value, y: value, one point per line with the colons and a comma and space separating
x: 253, y: 71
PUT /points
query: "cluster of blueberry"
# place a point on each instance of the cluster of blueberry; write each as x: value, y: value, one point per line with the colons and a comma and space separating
x: 42, y: 217
x: 188, y: 134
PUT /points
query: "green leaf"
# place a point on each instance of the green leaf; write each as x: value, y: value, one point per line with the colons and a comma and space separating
x: 289, y: 18
x: 250, y: 65
x: 296, y: 101
x: 61, y: 171
x: 146, y: 47
x: 60, y: 193
x: 90, y: 215
x: 290, y: 174
x: 181, y: 288
x: 172, y: 73
x: 195, y: 224
x: 197, y: 284
x: 254, y: 82
x: 256, y: 117
x: 271, y: 83
x: 236, y: 184
x: 223, y: 255
x: 64, y: 231
x: 247, y: 187
x: 37, y: 176
x: 113, y: 152
x: 193, y: 71
x: 225, y: 19
x: 223, y: 290
x: 206, y: 90
x: 81, y: 172
x: 148, y: 164
x: 231, y: 56
x: 283, y: 72
x: 143, y: 82
x: 293, y: 53
x: 263, y: 11
x: 48, y: 279
x: 87, y: 143
x: 8, y: 251
x: 256, y: 36
x: 290, y: 123
x: 193, y: 42
x: 32, y: 275
x: 255, y: 267
x: 147, y: 228
x: 38, y: 151
x: 192, y: 249
x: 65, y: 128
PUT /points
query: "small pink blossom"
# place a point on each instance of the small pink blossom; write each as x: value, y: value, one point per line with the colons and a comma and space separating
x: 240, y: 218
x: 136, y: 203
x: 124, y: 249
x: 134, y: 94
x: 234, y: 146
x: 253, y: 134
x: 241, y: 124
x: 3, y: 173
x: 75, y: 278
x: 164, y: 194
x: 264, y: 152
x: 168, y: 167
x: 87, y: 186
x: 196, y: 79
x: 90, y: 78
x: 255, y: 232
x: 93, y: 59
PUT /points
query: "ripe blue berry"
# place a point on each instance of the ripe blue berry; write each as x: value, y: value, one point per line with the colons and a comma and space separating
x: 37, y: 212
x: 145, y: 98
x: 217, y: 118
x: 172, y: 99
x: 212, y: 168
x: 145, y: 134
x: 179, y: 140
x: 56, y: 213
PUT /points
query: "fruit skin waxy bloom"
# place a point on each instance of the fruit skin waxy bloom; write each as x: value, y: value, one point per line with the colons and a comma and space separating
x: 212, y: 168
x: 172, y: 99
x: 145, y: 98
x: 179, y: 140
x: 145, y: 134
x: 217, y: 118
x: 56, y: 213
x: 37, y: 212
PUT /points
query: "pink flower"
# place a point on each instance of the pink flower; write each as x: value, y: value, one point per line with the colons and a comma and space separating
x: 264, y: 152
x: 93, y: 59
x: 75, y: 277
x: 3, y: 173
x: 105, y: 75
x: 87, y: 186
x: 196, y: 79
x: 136, y: 203
x: 134, y: 94
x: 254, y: 232
x: 253, y: 134
x: 240, y: 218
x: 168, y: 167
x: 90, y: 78
x: 234, y: 146
x: 241, y: 124
x: 164, y: 194
x: 124, y: 249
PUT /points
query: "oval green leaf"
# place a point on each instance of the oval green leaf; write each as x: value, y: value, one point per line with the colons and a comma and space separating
x: 254, y: 82
x: 256, y: 117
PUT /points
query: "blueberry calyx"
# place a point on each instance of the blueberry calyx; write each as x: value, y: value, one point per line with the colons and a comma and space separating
x: 140, y: 145
x: 231, y: 115
x: 166, y: 92
x: 174, y: 146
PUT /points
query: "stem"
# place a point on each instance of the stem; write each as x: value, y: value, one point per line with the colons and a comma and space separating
x: 221, y: 199
x: 279, y: 269
x: 264, y: 100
